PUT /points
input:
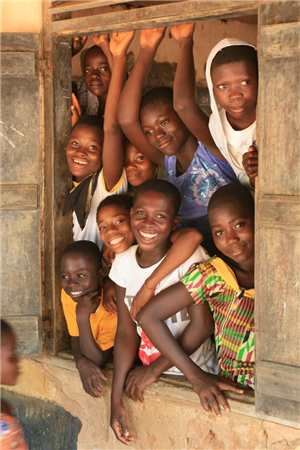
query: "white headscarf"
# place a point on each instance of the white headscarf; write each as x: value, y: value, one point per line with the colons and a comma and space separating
x: 215, y: 124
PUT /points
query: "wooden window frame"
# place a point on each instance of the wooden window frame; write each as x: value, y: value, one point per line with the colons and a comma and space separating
x: 58, y: 30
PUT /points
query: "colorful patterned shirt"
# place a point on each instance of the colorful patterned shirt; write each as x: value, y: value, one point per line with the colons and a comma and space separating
x: 233, y: 314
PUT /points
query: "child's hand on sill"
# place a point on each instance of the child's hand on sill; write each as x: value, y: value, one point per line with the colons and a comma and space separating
x: 109, y: 296
x: 89, y: 374
x: 209, y: 389
x: 137, y: 380
x: 250, y: 163
x: 142, y: 297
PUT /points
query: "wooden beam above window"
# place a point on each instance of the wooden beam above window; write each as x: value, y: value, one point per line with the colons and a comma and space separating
x: 154, y: 16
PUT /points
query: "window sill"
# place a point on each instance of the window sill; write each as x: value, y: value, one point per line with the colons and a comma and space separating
x: 176, y: 387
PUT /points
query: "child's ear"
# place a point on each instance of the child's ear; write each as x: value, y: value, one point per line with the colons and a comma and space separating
x: 175, y: 222
x: 131, y: 212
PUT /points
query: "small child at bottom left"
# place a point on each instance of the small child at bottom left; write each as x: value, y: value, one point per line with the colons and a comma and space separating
x: 11, y: 434
x: 91, y: 327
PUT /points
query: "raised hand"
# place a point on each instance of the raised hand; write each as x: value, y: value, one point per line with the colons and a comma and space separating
x: 118, y: 423
x: 137, y: 380
x: 150, y: 39
x: 77, y: 44
x: 88, y: 304
x: 109, y: 296
x: 101, y: 39
x: 142, y: 297
x: 75, y: 110
x: 182, y: 32
x: 89, y: 374
x: 209, y: 389
x: 120, y: 42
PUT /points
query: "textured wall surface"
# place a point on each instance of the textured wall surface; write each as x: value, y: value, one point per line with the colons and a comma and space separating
x: 170, y: 418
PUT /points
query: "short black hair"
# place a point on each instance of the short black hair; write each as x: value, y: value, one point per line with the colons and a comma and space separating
x: 158, y: 96
x: 90, y: 121
x: 91, y: 49
x: 235, y: 53
x: 162, y: 187
x: 6, y: 332
x: 232, y: 193
x: 85, y: 248
x: 124, y: 201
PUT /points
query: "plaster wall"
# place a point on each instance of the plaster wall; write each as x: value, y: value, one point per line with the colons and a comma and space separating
x: 21, y: 17
x: 170, y: 418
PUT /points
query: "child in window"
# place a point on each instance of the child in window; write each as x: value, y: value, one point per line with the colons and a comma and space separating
x: 91, y: 327
x: 228, y: 289
x: 155, y: 129
x: 93, y: 87
x: 232, y: 79
x: 11, y: 434
x: 85, y: 158
x: 113, y: 218
x: 153, y: 218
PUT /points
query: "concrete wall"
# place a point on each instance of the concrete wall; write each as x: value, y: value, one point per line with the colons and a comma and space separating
x: 170, y: 418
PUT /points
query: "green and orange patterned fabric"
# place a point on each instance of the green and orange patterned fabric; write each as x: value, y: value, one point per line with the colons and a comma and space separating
x: 233, y: 314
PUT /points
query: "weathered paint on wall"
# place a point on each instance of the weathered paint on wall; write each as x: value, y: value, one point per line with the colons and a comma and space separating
x: 170, y: 418
x: 21, y: 17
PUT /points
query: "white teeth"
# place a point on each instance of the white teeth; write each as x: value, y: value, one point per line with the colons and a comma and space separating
x: 147, y: 235
x: 80, y: 162
x: 116, y: 241
x: 76, y: 293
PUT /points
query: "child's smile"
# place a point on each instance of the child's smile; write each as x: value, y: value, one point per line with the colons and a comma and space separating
x: 152, y: 220
x: 114, y: 227
x: 84, y: 151
x: 163, y: 128
x: 138, y: 168
x: 235, y: 88
x: 78, y: 276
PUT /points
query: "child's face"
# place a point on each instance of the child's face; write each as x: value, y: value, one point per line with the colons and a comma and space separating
x: 114, y: 227
x: 79, y: 275
x: 152, y: 220
x: 9, y: 361
x: 96, y: 72
x: 235, y: 88
x: 138, y: 168
x: 163, y: 128
x: 84, y: 151
x: 233, y: 232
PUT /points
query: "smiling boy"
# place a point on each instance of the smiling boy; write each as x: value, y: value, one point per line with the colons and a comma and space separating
x: 228, y: 289
x: 153, y: 218
x: 92, y: 329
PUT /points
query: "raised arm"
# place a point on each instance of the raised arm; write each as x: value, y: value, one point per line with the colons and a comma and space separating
x: 78, y: 43
x: 125, y: 350
x: 151, y: 318
x: 113, y: 153
x: 185, y: 242
x: 194, y: 335
x: 185, y: 99
x: 129, y: 106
